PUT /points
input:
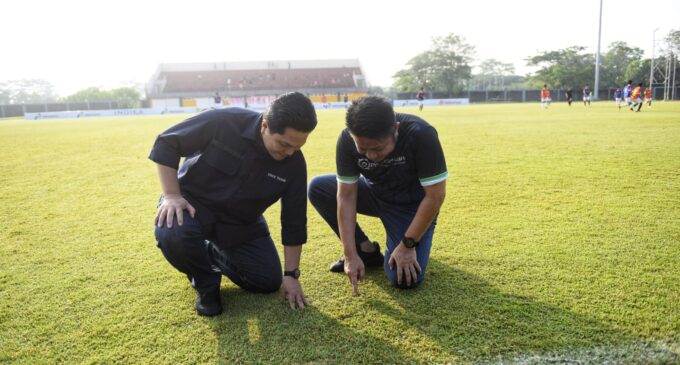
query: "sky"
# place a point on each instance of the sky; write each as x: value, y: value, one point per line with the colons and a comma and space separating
x: 76, y: 44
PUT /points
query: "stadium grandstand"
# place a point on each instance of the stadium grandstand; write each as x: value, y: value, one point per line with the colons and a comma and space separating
x: 254, y: 83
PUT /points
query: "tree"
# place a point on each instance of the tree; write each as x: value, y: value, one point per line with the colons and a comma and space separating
x: 126, y: 97
x: 493, y: 75
x: 569, y: 67
x: 617, y: 62
x: 673, y: 40
x: 414, y: 77
x: 5, y: 95
x: 445, y: 67
x: 26, y: 91
x: 90, y: 94
x: 637, y: 70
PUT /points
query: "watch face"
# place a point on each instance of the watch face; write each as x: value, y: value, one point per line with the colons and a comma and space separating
x: 409, y: 242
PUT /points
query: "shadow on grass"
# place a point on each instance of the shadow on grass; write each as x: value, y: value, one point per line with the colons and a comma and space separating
x: 260, y: 329
x: 464, y: 316
x: 471, y: 320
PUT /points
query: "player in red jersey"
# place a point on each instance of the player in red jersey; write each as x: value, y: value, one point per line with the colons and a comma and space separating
x: 545, y: 97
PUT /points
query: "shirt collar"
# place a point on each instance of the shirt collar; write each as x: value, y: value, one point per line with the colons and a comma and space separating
x: 253, y: 134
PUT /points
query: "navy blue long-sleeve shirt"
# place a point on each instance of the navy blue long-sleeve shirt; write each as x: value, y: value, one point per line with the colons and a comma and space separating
x: 230, y: 178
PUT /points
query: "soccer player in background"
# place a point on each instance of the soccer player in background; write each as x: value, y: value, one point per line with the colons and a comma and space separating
x: 421, y: 99
x: 627, y: 90
x: 648, y: 96
x: 586, y: 95
x: 618, y: 97
x: 545, y: 97
x: 636, y: 96
x: 217, y: 100
x: 570, y: 96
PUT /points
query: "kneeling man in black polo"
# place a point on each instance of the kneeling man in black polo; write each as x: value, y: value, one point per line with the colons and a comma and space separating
x: 237, y: 163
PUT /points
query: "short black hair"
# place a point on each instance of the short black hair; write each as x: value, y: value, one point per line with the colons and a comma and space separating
x: 371, y: 117
x: 640, y: 84
x: 291, y: 110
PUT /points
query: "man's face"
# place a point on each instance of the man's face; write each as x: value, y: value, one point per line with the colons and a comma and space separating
x: 376, y: 149
x: 283, y: 145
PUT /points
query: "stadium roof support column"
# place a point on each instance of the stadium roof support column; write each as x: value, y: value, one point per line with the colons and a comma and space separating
x: 597, y: 56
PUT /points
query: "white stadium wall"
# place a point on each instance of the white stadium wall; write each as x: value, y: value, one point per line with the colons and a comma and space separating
x: 165, y: 103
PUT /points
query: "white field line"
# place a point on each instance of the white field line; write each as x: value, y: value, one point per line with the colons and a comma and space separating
x: 642, y: 353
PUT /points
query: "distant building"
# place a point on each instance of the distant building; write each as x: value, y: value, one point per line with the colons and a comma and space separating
x: 190, y: 83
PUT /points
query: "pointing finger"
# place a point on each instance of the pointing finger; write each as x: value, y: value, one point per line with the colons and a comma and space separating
x: 355, y: 285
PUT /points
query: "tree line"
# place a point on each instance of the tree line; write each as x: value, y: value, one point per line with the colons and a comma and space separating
x: 447, y: 67
x: 35, y: 91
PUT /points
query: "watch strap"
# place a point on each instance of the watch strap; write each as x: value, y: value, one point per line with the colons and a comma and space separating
x: 292, y: 273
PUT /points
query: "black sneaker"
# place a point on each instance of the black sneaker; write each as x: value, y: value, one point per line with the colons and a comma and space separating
x: 370, y: 259
x: 208, y: 302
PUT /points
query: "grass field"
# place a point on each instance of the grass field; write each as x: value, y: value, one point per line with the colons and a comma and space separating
x: 559, y: 241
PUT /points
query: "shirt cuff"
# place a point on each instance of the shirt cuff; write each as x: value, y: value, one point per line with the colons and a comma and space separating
x: 347, y: 179
x: 428, y: 181
x: 294, y: 237
x: 163, y: 154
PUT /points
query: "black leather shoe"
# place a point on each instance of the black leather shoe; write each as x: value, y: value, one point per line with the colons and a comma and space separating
x: 370, y: 259
x: 208, y: 302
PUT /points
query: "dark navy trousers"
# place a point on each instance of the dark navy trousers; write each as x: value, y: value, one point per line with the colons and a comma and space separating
x: 252, y: 265
x: 395, y: 218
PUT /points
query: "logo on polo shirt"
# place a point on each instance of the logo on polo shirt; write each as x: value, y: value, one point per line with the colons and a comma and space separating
x: 367, y: 164
x: 279, y: 178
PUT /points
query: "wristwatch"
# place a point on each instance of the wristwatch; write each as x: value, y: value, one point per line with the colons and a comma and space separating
x: 295, y: 274
x: 410, y: 242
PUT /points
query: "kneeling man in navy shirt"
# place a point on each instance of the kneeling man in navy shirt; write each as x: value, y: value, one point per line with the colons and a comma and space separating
x: 209, y: 221
x: 389, y: 166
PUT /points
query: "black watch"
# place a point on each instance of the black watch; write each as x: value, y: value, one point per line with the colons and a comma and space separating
x: 295, y: 274
x: 410, y: 242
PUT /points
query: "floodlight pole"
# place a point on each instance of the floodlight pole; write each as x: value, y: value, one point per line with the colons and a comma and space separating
x: 675, y: 61
x: 597, y: 56
x: 651, y: 66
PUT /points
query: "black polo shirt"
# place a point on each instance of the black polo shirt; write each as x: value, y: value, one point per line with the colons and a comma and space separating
x: 230, y: 178
x: 416, y: 161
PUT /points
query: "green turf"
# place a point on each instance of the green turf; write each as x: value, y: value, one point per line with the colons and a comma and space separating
x: 559, y: 239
